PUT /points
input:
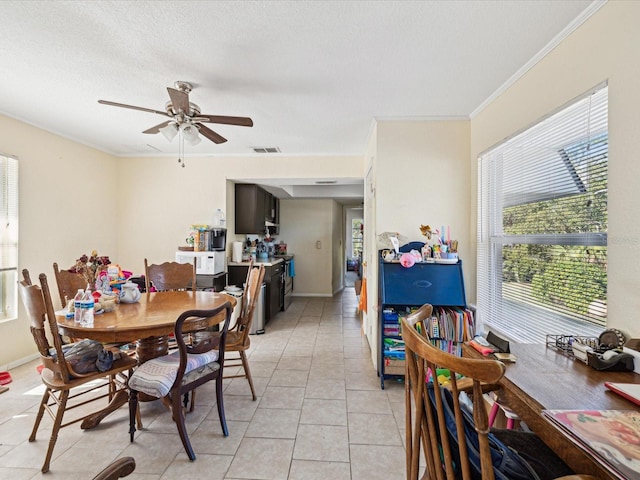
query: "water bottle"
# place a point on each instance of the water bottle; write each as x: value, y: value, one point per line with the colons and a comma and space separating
x: 77, y: 310
x: 219, y: 220
x: 86, y: 305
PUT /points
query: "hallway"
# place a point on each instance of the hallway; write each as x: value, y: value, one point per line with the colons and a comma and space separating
x: 320, y: 413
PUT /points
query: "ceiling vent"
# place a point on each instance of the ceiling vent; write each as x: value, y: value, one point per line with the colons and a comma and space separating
x: 266, y: 149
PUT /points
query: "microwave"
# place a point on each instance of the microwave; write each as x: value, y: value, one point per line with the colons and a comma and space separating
x: 207, y: 263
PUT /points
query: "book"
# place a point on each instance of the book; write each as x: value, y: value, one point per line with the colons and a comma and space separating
x: 505, y: 357
x: 611, y: 437
x: 630, y: 391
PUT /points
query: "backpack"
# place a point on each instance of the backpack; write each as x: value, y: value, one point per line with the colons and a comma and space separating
x: 508, y: 464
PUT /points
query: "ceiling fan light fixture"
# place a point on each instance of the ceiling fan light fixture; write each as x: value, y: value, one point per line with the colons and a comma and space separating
x: 169, y: 131
x: 190, y: 133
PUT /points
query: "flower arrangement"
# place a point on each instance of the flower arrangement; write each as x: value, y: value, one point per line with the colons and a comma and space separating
x: 90, y: 267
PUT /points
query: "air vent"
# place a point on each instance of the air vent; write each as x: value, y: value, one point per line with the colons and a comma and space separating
x: 326, y: 182
x: 266, y: 149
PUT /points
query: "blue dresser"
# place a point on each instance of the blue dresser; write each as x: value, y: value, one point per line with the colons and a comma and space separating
x: 403, y: 289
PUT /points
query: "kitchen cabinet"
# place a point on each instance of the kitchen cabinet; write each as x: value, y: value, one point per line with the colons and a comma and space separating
x: 402, y: 290
x: 211, y: 282
x: 273, y: 277
x: 254, y: 207
x: 273, y: 280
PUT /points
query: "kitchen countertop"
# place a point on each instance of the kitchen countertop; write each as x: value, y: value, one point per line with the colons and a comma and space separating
x: 267, y: 262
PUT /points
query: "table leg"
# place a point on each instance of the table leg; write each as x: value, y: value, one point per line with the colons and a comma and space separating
x: 146, y: 349
x: 118, y: 400
x: 151, y: 347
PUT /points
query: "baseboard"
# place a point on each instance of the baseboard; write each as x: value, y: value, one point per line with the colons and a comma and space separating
x: 17, y: 363
x: 326, y: 295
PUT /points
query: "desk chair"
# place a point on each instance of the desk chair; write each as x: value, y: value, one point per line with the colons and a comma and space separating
x: 119, y: 468
x: 62, y: 383
x: 68, y: 284
x: 445, y: 447
x: 170, y: 276
x: 174, y: 375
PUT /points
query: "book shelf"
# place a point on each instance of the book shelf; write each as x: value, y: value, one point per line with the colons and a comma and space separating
x: 402, y: 290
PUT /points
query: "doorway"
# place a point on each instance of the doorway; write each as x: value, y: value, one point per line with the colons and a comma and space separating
x: 354, y: 236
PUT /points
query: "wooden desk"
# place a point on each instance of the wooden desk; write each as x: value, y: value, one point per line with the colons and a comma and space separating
x: 148, y: 322
x: 544, y: 379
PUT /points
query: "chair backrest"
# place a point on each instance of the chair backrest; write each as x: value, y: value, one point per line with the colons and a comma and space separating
x: 255, y: 277
x: 37, y: 303
x: 68, y: 283
x: 441, y: 450
x: 193, y: 322
x: 170, y: 276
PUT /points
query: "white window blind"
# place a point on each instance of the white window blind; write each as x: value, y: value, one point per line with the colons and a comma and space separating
x: 8, y: 238
x: 542, y: 226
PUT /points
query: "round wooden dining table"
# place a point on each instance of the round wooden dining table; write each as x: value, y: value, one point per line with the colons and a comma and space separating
x: 148, y: 322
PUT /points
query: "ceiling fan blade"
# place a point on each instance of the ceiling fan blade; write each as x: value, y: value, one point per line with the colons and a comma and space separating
x: 142, y: 109
x: 210, y: 134
x: 240, y: 121
x: 157, y: 128
x: 179, y: 100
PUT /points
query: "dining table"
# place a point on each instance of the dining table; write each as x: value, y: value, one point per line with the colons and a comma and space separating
x: 148, y: 323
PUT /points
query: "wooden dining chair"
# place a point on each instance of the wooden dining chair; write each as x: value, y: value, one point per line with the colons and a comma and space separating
x: 238, y: 339
x: 170, y: 276
x: 119, y: 468
x: 65, y: 389
x: 174, y: 375
x: 458, y: 444
x: 68, y: 284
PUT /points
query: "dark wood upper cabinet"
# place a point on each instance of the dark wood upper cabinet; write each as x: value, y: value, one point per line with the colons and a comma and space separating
x: 254, y: 207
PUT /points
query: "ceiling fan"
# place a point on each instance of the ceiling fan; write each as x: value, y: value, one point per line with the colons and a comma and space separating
x: 185, y: 117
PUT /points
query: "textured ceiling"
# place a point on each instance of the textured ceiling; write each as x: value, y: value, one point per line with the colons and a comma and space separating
x: 312, y: 75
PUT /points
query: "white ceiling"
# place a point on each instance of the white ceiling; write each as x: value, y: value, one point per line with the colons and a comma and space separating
x: 311, y: 74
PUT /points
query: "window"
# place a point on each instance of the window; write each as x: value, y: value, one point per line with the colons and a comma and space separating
x: 8, y: 238
x: 542, y: 226
x: 357, y: 228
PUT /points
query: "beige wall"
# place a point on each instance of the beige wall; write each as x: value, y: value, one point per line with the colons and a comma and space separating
x: 421, y: 177
x: 68, y: 206
x: 163, y: 199
x: 603, y: 48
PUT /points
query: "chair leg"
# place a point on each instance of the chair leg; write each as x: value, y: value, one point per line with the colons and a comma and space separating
x: 178, y: 418
x: 43, y: 402
x: 62, y: 405
x: 495, y: 408
x: 220, y: 404
x: 247, y: 372
x: 134, y: 413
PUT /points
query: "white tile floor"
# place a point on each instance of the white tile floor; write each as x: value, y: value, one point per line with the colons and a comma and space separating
x: 320, y: 414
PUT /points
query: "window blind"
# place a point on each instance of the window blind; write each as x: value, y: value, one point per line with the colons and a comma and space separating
x: 542, y: 226
x: 8, y: 238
